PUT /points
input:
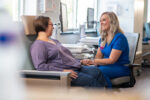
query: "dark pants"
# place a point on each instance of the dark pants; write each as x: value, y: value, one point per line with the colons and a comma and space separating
x: 89, y: 76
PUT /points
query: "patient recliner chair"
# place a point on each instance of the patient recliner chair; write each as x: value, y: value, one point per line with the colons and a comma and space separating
x: 28, y: 71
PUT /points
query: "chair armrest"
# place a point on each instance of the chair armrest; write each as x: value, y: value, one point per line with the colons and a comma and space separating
x: 133, y: 65
x: 44, y: 73
x: 64, y: 77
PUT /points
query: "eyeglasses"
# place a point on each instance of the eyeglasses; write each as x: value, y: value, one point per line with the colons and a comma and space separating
x: 50, y: 24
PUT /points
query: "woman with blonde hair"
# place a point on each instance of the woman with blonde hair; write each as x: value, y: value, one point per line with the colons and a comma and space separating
x: 113, y: 51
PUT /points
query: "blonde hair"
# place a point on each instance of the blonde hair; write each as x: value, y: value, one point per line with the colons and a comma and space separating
x: 114, y: 28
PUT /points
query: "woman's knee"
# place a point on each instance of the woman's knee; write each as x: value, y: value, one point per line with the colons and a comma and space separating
x: 82, y: 80
x: 105, y: 70
x: 89, y: 69
x: 93, y: 71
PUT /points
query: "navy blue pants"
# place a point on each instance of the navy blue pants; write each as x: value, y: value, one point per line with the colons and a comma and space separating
x: 111, y: 72
x: 89, y: 76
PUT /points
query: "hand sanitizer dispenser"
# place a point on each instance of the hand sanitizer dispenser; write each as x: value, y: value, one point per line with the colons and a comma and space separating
x: 54, y: 35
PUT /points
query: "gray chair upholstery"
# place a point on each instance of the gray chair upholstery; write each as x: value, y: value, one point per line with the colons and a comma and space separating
x: 28, y: 70
x: 129, y: 81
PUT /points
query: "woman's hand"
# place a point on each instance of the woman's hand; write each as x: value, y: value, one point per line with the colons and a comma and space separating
x: 87, y: 62
x: 96, y: 62
x: 73, y: 73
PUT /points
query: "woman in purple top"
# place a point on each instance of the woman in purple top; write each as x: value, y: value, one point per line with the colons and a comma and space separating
x: 49, y: 55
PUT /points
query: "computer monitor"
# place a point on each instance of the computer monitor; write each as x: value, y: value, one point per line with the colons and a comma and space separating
x: 90, y: 18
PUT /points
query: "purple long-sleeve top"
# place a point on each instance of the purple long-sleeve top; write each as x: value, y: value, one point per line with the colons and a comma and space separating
x: 50, y: 57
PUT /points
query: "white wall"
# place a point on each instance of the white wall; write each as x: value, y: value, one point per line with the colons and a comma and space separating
x: 124, y: 10
x: 30, y: 7
x: 53, y: 13
x: 148, y: 15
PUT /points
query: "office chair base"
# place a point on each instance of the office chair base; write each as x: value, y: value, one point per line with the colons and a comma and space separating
x: 146, y: 63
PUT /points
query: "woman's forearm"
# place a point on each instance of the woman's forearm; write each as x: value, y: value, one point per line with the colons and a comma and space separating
x: 103, y: 61
x: 98, y: 57
x: 114, y: 56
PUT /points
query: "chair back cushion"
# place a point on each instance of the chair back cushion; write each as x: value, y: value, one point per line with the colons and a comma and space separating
x: 28, y: 24
x: 29, y: 37
x: 28, y: 65
x: 133, y: 39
